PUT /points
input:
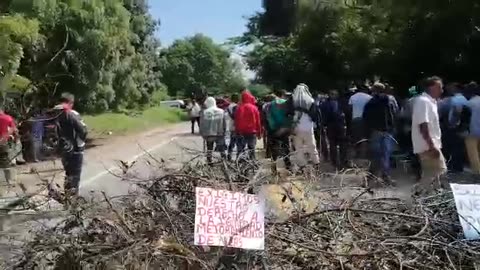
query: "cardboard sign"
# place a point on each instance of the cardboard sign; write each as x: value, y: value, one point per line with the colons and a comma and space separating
x: 467, y: 200
x: 231, y: 219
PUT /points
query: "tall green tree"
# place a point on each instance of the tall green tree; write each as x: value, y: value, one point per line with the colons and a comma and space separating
x: 104, y: 52
x: 16, y: 33
x: 337, y: 41
x: 198, y: 63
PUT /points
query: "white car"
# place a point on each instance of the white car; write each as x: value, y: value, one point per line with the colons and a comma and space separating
x: 173, y: 104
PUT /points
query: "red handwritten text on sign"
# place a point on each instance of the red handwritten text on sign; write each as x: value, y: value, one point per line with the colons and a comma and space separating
x: 225, y: 218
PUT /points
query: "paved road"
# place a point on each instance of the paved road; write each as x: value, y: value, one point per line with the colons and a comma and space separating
x: 102, y: 168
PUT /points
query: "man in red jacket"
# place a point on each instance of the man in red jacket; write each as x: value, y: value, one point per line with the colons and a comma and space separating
x: 248, y: 124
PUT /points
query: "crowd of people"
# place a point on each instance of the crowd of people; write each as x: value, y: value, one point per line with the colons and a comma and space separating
x: 435, y: 129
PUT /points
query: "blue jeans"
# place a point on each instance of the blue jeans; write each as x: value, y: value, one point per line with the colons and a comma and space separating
x: 381, y: 146
x: 247, y: 141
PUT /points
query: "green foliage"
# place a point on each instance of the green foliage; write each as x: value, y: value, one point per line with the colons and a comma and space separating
x: 198, y: 63
x: 337, y: 41
x: 259, y: 90
x: 123, y: 123
x: 16, y: 32
x: 104, y: 52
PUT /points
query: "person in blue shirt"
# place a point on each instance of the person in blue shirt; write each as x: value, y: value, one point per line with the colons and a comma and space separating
x: 472, y: 141
x: 453, y: 141
x: 37, y: 136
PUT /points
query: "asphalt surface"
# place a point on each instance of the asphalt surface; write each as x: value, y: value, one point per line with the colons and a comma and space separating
x: 103, y: 169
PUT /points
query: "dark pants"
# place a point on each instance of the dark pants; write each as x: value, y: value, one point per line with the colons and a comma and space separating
x: 216, y: 144
x: 249, y: 141
x: 338, y: 144
x: 454, y: 150
x: 232, y: 144
x: 280, y: 148
x: 193, y: 120
x: 381, y: 146
x: 321, y: 140
x: 268, y: 142
x: 72, y: 164
x: 36, y: 150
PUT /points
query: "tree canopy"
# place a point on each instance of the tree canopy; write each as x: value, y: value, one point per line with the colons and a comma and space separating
x: 198, y: 63
x: 105, y: 53
x: 334, y: 42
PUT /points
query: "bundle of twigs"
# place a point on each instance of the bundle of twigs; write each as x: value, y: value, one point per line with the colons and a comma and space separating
x: 380, y: 233
x: 153, y: 229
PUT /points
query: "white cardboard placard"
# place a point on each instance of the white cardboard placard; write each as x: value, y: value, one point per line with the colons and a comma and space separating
x: 231, y: 219
x: 467, y: 200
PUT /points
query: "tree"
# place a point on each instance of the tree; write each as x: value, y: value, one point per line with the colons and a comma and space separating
x: 198, y: 63
x: 337, y: 41
x: 16, y: 33
x: 104, y: 52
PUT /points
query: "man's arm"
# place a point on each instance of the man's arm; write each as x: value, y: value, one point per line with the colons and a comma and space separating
x: 426, y: 135
x: 224, y: 121
x: 78, y: 125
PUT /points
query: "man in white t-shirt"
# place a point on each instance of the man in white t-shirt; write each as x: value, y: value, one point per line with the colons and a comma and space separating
x: 426, y: 133
x: 194, y: 112
x: 357, y: 104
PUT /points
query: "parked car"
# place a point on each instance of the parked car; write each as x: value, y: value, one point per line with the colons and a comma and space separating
x: 173, y: 104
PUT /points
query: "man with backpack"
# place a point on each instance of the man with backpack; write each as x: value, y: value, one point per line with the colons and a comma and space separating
x: 305, y: 118
x: 278, y: 126
x: 72, y: 134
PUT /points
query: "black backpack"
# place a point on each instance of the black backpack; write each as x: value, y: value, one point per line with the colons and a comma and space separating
x: 231, y: 111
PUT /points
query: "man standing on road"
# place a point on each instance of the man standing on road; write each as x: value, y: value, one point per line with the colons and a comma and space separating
x: 472, y: 141
x: 72, y: 134
x: 248, y: 124
x: 8, y: 130
x: 38, y: 131
x: 379, y: 117
x: 453, y: 139
x: 194, y: 113
x: 334, y: 121
x: 426, y: 133
x: 278, y: 129
x: 231, y: 109
x: 306, y: 116
x: 212, y: 128
x: 357, y: 104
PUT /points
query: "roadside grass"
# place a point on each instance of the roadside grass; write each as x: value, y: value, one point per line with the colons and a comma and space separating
x: 133, y: 121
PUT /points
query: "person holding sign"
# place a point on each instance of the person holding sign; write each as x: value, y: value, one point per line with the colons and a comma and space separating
x: 426, y: 133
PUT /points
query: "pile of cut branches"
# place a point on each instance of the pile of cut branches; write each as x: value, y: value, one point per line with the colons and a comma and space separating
x: 153, y: 229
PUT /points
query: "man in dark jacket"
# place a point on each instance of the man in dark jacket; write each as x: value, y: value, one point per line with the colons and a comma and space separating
x: 334, y: 120
x: 379, y: 118
x: 72, y: 133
